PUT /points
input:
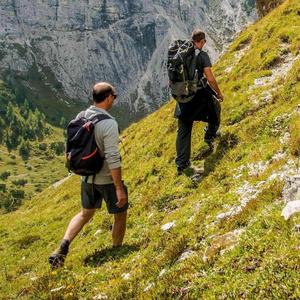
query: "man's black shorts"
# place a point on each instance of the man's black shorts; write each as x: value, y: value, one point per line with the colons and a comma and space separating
x: 103, y: 191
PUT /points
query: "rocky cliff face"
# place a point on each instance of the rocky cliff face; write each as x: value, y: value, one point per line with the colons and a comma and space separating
x: 265, y: 6
x: 68, y: 45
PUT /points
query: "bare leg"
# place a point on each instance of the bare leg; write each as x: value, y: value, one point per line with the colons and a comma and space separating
x: 119, y: 228
x: 78, y: 222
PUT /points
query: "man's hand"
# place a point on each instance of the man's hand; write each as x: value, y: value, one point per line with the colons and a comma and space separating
x: 213, y: 83
x: 220, y: 97
x: 122, y: 198
x: 120, y: 190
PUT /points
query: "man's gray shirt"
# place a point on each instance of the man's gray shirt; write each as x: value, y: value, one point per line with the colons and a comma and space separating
x: 107, y: 139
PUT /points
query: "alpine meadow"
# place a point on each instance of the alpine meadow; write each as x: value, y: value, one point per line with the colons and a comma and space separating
x: 223, y: 234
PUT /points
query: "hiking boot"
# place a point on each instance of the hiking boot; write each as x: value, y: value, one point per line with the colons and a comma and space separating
x: 180, y: 170
x: 190, y: 171
x: 211, y: 132
x: 210, y: 138
x: 57, y: 258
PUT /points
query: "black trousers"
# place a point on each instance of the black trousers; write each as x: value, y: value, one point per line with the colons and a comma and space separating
x: 183, y: 144
x: 199, y: 109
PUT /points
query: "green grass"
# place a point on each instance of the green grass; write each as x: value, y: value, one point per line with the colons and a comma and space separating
x: 41, y: 169
x: 265, y: 262
x: 22, y: 176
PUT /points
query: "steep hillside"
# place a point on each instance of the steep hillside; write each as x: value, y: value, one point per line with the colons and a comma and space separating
x: 29, y: 148
x: 216, y: 236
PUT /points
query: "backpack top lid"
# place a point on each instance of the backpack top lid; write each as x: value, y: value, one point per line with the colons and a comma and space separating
x: 179, y: 50
x: 182, y: 45
x: 182, y: 73
x: 83, y: 157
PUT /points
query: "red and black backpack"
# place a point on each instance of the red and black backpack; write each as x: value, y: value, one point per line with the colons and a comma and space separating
x: 83, y: 156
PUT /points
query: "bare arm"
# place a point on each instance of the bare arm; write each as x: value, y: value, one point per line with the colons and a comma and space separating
x: 212, y: 82
x: 112, y: 156
x: 117, y: 179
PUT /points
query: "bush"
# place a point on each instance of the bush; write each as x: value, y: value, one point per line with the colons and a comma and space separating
x: 17, y: 194
x: 9, y: 203
x: 20, y: 182
x: 58, y: 147
x: 4, y: 175
x: 38, y: 188
x: 43, y: 146
x: 24, y: 149
x: 2, y: 187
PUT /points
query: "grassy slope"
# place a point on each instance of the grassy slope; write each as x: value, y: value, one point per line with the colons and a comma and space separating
x: 40, y: 169
x: 43, y: 167
x: 264, y: 263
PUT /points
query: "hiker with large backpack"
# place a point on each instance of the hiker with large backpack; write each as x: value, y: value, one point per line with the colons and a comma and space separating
x: 92, y: 151
x: 193, y: 86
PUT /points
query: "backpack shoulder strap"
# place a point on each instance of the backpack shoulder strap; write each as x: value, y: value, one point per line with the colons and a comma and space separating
x: 97, y: 118
x: 101, y: 117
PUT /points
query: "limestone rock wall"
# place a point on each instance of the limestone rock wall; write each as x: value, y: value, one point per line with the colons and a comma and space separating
x: 72, y: 44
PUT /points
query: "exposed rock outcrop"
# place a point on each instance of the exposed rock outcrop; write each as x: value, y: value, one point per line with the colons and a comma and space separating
x: 68, y: 45
x: 265, y: 6
x: 291, y: 195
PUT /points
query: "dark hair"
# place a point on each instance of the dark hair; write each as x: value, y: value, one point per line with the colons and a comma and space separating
x: 100, y: 94
x: 198, y: 35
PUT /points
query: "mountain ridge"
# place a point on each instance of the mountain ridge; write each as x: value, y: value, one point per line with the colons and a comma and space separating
x: 58, y: 50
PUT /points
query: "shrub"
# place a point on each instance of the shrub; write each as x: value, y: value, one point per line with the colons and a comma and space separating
x: 20, y: 182
x: 271, y: 61
x: 9, y: 203
x: 43, y: 146
x: 17, y: 194
x: 24, y: 149
x: 2, y: 187
x: 58, y: 147
x: 4, y: 175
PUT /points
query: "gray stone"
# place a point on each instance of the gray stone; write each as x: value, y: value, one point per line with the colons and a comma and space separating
x: 290, y: 209
x: 185, y: 255
x: 168, y: 226
x: 291, y: 189
x: 57, y: 289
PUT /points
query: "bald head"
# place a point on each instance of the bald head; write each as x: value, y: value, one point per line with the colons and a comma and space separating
x: 101, y: 91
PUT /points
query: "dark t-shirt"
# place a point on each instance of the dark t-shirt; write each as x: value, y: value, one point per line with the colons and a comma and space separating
x: 199, y: 108
x: 203, y: 61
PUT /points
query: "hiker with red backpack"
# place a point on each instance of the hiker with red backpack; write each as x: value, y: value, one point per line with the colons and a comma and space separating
x: 193, y: 86
x: 92, y: 151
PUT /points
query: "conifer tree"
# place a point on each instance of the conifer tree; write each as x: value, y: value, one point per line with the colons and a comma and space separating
x: 25, y: 109
x: 24, y: 149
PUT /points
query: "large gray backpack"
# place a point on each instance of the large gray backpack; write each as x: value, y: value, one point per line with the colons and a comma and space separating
x: 182, y: 72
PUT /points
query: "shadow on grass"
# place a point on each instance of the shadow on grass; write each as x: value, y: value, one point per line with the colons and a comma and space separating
x: 227, y: 142
x: 213, y: 157
x: 102, y: 256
